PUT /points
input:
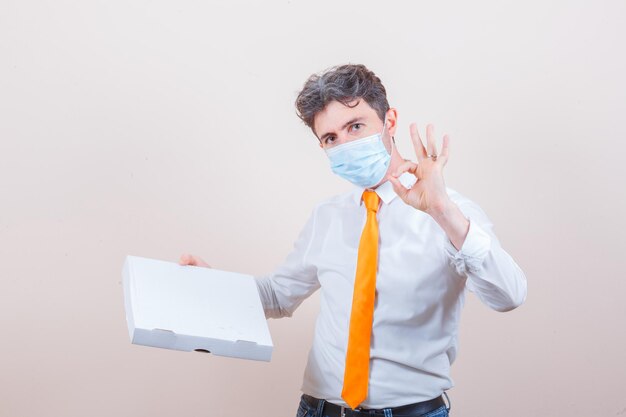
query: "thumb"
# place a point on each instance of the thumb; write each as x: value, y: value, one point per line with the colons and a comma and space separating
x: 400, y: 189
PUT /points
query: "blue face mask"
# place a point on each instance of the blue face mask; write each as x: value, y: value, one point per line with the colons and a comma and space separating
x: 363, y: 162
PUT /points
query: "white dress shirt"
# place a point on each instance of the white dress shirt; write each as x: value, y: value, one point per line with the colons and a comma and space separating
x: 420, y: 291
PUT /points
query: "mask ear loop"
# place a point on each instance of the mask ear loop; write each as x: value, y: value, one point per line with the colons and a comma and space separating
x: 393, y: 140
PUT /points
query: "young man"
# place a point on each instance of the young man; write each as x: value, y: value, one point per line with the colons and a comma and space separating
x: 393, y: 257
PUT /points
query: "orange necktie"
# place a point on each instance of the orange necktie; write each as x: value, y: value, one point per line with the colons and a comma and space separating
x: 356, y: 373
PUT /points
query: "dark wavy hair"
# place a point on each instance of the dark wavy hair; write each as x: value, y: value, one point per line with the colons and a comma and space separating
x: 343, y: 83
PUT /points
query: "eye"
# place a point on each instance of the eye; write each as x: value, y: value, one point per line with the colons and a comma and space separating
x: 356, y: 126
x: 328, y: 138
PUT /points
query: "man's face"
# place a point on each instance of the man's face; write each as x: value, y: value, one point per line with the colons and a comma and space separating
x: 338, y: 124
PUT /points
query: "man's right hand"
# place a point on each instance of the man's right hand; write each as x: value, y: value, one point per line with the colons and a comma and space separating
x: 188, y: 259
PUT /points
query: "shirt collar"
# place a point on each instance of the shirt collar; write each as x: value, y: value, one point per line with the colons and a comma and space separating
x: 385, y: 190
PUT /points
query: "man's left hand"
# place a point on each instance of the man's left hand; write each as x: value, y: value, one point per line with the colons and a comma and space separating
x: 429, y: 191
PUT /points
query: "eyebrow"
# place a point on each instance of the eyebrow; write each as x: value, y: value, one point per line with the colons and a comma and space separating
x: 356, y: 119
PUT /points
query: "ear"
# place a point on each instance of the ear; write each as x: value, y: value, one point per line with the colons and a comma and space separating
x: 392, y: 120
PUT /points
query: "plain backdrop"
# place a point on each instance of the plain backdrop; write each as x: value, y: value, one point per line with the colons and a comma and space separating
x: 156, y: 128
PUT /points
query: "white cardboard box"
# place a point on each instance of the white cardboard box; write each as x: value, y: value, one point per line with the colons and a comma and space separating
x: 192, y: 308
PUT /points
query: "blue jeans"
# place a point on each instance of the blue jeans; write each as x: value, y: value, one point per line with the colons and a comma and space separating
x: 309, y: 410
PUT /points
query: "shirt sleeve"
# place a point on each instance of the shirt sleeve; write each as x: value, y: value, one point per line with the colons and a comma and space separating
x: 491, y: 272
x: 284, y: 289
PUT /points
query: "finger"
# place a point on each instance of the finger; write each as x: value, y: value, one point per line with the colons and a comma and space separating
x: 430, y: 139
x: 445, y: 150
x: 420, y: 151
x: 406, y: 166
x: 200, y: 262
x: 400, y: 189
x: 188, y: 259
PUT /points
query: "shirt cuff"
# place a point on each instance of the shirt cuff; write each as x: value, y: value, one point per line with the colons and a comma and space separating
x: 473, y: 251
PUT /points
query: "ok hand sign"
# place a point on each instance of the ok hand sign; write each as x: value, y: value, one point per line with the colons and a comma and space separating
x: 429, y: 191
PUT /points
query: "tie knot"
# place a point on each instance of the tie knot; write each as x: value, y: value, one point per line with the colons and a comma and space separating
x: 371, y: 200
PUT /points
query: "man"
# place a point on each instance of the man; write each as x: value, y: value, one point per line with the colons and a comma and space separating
x: 394, y: 258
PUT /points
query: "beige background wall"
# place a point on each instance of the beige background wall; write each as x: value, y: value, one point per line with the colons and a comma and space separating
x: 156, y: 128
